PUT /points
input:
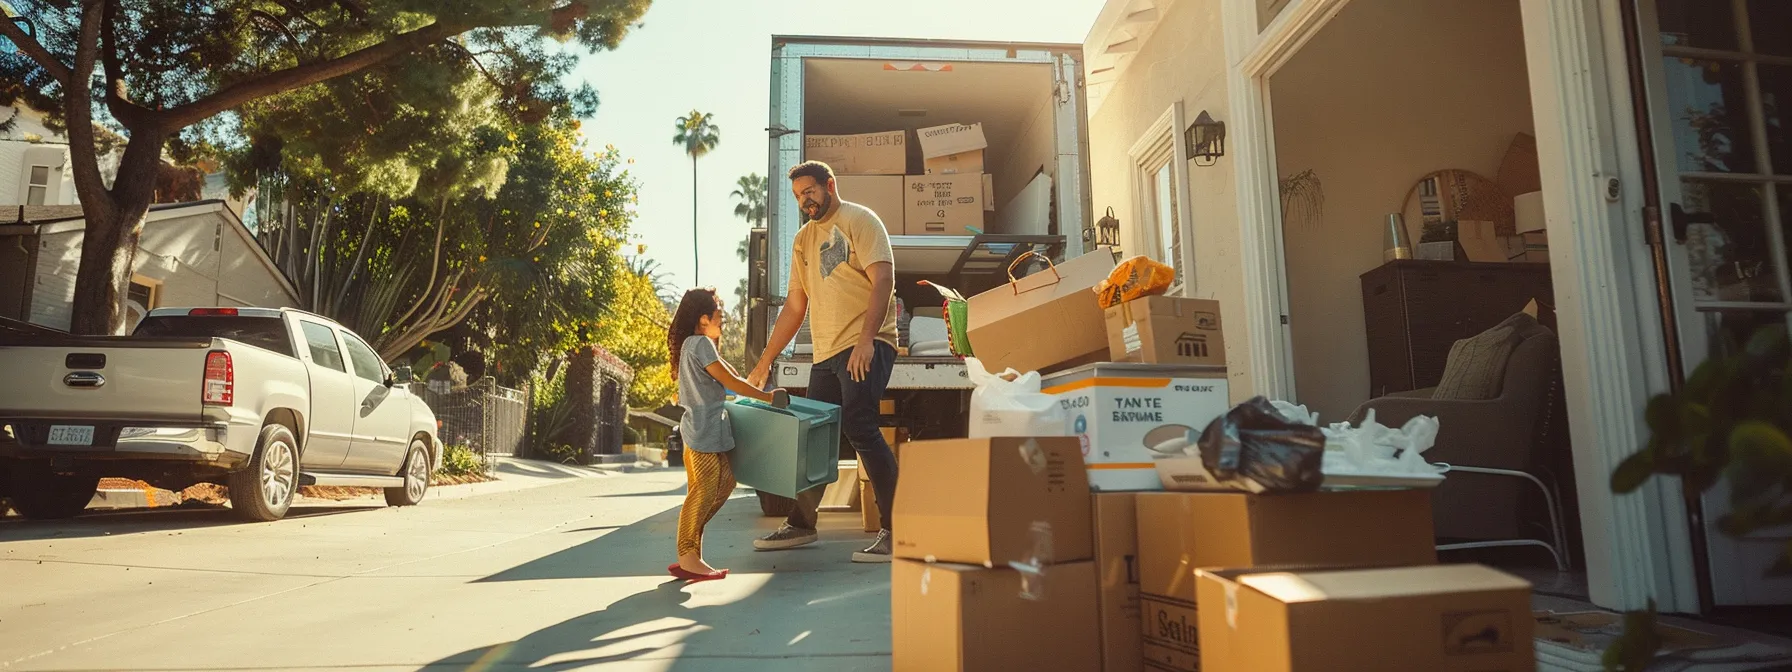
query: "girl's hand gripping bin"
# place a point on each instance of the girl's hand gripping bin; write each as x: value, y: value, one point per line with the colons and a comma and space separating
x: 785, y: 451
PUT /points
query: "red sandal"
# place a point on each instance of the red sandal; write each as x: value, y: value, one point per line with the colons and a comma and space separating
x: 693, y: 577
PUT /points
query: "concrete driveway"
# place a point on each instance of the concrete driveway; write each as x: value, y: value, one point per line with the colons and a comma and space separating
x: 567, y: 576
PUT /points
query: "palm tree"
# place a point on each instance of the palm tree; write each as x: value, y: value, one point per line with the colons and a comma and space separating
x: 698, y: 134
x: 750, y: 190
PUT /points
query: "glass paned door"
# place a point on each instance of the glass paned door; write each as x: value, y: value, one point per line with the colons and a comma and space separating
x: 1720, y: 93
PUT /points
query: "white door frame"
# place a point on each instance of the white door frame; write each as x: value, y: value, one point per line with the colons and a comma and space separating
x: 1637, y: 545
x: 1170, y: 125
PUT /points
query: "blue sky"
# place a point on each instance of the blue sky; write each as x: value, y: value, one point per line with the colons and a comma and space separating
x: 713, y: 55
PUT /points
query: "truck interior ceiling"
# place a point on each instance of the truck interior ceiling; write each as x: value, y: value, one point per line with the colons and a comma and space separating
x: 1012, y: 101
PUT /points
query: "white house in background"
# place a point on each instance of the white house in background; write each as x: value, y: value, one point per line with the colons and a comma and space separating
x: 34, y: 161
x: 190, y: 254
x: 1639, y: 109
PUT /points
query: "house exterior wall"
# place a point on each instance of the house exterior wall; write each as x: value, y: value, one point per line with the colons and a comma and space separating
x: 1184, y: 60
x: 1387, y: 92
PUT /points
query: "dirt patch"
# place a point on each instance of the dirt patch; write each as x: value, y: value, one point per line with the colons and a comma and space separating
x: 217, y: 495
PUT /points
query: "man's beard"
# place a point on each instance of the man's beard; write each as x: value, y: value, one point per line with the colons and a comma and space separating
x: 815, y: 209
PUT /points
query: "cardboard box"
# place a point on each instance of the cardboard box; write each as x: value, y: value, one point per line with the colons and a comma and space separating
x: 951, y: 139
x: 1116, y: 563
x: 942, y: 205
x: 881, y: 193
x: 1180, y: 533
x: 956, y: 617
x: 1126, y: 416
x: 1447, y: 618
x: 1166, y: 330
x: 1536, y: 247
x: 1044, y: 320
x: 991, y: 502
x: 954, y: 164
x: 886, y: 406
x: 862, y: 154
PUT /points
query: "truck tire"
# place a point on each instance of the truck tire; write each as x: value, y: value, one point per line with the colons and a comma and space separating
x: 263, y: 490
x: 40, y: 494
x: 774, y: 506
x: 416, y: 475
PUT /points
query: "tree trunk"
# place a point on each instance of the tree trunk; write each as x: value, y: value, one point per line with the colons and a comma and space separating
x: 696, y: 264
x: 114, y: 222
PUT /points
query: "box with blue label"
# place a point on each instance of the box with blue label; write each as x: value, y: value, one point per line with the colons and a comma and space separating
x: 1126, y: 416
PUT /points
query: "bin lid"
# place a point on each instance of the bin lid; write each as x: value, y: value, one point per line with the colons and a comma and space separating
x: 800, y: 408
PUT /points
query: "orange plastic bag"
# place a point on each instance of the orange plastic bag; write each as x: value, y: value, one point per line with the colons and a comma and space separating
x: 1135, y: 278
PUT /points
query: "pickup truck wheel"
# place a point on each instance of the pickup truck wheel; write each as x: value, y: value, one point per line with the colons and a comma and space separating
x: 40, y: 494
x: 416, y: 478
x: 263, y: 490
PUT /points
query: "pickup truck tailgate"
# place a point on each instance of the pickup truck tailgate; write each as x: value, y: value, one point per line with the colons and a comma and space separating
x: 139, y: 378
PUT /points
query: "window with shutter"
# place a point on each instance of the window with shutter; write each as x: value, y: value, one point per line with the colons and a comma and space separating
x: 1160, y: 189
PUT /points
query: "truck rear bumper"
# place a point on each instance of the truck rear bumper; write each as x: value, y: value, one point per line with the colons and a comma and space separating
x: 215, y: 444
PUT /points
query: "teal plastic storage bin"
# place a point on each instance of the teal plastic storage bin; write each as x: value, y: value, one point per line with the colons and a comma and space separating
x: 785, y: 451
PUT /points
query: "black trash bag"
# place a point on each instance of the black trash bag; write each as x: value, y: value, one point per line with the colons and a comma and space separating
x: 1253, y: 447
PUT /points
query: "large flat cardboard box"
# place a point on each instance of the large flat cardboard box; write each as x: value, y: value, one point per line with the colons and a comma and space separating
x: 881, y: 193
x: 1117, y: 567
x: 1166, y: 330
x: 863, y: 154
x: 992, y: 502
x: 1044, y: 320
x: 938, y: 141
x: 1180, y: 533
x: 949, y: 617
x: 953, y: 164
x: 1443, y: 618
x: 1128, y: 417
x: 942, y: 205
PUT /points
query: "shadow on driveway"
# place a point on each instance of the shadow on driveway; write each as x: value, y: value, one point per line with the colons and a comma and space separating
x: 802, y: 609
x: 140, y: 521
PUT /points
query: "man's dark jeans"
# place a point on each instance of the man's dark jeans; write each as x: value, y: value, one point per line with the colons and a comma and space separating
x: 831, y: 382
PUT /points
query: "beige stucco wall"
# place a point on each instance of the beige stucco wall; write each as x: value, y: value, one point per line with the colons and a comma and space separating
x: 1183, y: 60
x: 1388, y: 91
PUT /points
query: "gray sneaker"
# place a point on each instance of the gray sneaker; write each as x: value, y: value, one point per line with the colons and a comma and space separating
x: 785, y: 537
x: 878, y: 551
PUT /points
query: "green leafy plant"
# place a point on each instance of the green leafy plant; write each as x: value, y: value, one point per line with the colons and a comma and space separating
x: 1732, y: 418
x: 461, y: 460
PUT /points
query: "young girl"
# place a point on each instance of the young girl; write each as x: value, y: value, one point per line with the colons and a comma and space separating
x: 702, y: 378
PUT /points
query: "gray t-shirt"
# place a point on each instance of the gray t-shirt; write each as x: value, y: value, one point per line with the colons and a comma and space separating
x: 705, y: 425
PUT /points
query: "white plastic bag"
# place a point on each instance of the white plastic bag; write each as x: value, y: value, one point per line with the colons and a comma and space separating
x: 1373, y: 449
x: 1011, y: 405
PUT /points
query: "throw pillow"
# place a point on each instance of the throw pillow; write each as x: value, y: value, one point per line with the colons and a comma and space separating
x: 1477, y: 365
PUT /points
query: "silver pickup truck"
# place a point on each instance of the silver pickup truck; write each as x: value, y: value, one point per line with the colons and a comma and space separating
x: 262, y: 401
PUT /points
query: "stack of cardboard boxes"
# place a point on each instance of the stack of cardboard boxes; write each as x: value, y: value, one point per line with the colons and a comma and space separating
x: 1067, y: 553
x: 947, y: 196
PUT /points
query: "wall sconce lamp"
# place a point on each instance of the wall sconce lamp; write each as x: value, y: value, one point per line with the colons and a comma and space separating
x: 1206, y: 139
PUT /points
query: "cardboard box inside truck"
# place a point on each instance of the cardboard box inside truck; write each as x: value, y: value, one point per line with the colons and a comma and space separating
x: 954, y: 164
x: 1446, y: 618
x: 1180, y: 533
x: 993, y: 501
x: 972, y: 619
x: 881, y: 193
x: 1166, y: 330
x: 950, y: 139
x: 942, y: 205
x: 883, y: 153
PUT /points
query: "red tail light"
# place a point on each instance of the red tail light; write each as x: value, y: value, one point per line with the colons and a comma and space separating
x: 212, y: 312
x: 220, y: 379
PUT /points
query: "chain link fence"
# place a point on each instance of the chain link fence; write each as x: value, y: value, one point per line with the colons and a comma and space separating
x: 489, y: 419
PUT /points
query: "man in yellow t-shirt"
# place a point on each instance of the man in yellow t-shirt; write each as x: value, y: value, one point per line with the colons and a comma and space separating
x: 842, y: 277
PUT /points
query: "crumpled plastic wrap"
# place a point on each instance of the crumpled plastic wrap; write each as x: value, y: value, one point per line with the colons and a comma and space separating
x: 1376, y: 449
x: 1134, y: 278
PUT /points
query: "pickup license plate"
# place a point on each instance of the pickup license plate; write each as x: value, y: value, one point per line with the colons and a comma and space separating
x: 71, y: 435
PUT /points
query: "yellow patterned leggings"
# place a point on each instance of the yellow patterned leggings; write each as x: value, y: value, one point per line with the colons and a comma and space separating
x: 710, y: 480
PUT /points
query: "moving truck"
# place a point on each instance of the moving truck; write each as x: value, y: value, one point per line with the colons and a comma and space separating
x: 897, y: 100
